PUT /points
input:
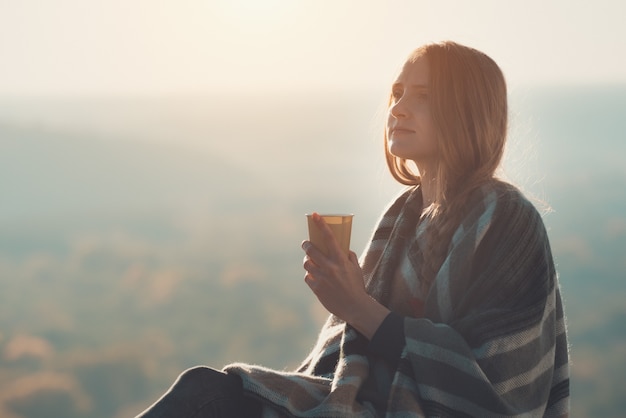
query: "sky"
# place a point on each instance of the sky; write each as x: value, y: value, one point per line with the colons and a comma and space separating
x: 130, y: 47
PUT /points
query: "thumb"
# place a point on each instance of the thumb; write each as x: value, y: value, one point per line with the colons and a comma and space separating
x: 353, y: 257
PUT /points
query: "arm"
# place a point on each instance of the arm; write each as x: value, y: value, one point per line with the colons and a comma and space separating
x: 337, y: 281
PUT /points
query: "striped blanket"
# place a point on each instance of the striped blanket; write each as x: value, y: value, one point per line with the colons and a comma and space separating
x: 490, y: 342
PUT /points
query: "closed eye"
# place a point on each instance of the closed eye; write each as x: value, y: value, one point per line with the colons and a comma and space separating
x: 397, y: 95
x: 420, y: 92
x: 397, y: 92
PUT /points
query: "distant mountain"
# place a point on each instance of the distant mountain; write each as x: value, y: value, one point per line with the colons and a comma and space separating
x: 45, y: 174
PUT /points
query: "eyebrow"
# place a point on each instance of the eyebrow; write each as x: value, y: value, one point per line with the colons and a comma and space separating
x: 412, y: 86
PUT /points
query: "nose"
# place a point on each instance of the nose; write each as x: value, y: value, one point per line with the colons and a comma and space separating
x: 398, y: 109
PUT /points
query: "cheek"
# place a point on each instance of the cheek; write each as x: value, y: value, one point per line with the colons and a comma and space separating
x: 432, y: 137
x: 428, y: 130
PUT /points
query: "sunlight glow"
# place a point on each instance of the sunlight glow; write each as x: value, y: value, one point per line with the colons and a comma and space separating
x: 251, y: 15
x: 76, y: 47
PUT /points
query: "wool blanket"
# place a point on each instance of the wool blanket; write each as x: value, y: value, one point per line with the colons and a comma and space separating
x: 490, y: 340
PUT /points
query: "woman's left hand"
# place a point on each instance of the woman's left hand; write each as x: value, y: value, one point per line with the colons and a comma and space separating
x: 337, y: 281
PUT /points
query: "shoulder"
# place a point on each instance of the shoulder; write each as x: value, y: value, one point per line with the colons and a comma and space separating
x: 510, y: 204
x: 499, y: 214
x: 498, y: 204
x: 515, y: 242
x: 514, y: 222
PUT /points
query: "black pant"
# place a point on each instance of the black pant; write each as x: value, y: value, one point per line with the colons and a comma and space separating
x: 202, y: 392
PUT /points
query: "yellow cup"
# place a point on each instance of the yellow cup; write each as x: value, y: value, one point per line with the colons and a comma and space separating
x: 340, y: 224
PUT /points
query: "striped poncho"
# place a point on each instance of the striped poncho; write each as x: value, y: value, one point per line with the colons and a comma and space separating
x: 490, y: 340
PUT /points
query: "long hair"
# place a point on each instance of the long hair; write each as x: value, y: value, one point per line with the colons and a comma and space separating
x: 468, y: 103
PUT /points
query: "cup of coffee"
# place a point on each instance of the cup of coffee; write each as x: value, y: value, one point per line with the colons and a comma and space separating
x: 340, y: 224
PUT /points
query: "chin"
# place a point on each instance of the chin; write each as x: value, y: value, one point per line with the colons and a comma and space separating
x: 401, y: 152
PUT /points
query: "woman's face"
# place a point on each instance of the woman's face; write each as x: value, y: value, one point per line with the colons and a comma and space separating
x: 410, y: 128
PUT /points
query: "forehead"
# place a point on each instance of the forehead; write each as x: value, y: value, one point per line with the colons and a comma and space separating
x: 414, y: 72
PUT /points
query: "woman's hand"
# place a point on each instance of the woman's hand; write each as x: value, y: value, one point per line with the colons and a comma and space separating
x: 337, y: 281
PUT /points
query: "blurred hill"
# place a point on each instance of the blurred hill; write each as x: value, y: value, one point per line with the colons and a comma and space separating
x: 141, y: 238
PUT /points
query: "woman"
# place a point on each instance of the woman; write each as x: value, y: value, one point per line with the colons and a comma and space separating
x: 455, y: 309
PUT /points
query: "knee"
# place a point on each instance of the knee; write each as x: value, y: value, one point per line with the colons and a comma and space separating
x: 202, y: 376
x: 197, y: 374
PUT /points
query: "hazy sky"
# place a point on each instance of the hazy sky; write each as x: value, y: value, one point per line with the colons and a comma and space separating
x: 77, y: 47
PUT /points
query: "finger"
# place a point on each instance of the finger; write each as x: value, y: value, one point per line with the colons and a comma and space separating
x: 353, y: 257
x: 329, y: 238
x: 310, y: 281
x: 311, y: 267
x: 313, y: 252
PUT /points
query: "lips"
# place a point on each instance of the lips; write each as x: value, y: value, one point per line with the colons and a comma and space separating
x: 401, y: 130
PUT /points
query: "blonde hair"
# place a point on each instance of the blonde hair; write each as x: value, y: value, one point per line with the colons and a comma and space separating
x: 468, y: 102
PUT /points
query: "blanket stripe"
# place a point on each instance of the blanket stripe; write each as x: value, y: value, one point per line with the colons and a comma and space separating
x: 491, y: 341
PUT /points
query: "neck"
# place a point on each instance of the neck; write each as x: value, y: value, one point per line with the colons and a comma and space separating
x: 429, y: 188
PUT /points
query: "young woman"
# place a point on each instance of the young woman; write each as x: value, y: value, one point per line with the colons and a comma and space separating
x: 455, y: 308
